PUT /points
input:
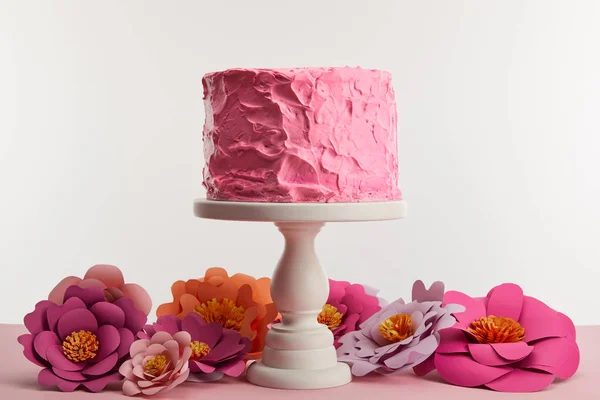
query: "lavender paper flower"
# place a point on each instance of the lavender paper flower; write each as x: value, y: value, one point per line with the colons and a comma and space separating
x: 400, y: 335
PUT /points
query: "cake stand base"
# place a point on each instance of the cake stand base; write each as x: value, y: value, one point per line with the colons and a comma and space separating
x: 299, y: 351
x: 278, y: 378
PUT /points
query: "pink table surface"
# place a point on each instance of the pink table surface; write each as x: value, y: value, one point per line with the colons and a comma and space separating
x: 18, y: 380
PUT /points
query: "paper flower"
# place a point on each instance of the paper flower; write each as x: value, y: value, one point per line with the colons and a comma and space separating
x: 215, y: 351
x: 110, y: 279
x: 347, y: 307
x: 401, y: 335
x: 507, y: 342
x: 240, y: 303
x: 82, y: 342
x: 157, y: 364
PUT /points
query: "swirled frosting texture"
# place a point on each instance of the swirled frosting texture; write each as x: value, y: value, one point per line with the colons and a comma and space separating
x: 300, y: 135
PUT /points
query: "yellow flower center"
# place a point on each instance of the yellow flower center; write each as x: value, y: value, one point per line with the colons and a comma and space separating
x: 330, y: 316
x: 156, y: 365
x: 494, y: 329
x: 80, y: 345
x: 225, y: 312
x: 199, y: 350
x: 396, y: 328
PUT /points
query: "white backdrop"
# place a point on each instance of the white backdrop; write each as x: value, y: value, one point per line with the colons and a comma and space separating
x: 101, y: 154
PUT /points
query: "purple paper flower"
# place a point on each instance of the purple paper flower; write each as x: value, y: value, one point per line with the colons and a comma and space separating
x: 216, y: 351
x: 401, y: 335
x: 348, y: 306
x: 82, y: 342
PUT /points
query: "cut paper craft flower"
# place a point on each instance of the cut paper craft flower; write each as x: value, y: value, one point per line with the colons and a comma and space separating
x: 348, y: 306
x: 216, y: 351
x: 82, y: 342
x: 506, y: 342
x: 239, y: 302
x: 400, y: 336
x: 108, y: 278
x: 157, y: 364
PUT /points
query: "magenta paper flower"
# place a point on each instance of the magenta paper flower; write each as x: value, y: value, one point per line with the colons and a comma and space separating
x: 82, y: 342
x: 507, y: 342
x: 216, y: 351
x: 401, y: 335
x: 157, y: 364
x: 108, y: 278
x: 348, y: 306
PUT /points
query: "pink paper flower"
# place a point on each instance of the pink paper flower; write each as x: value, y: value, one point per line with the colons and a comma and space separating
x: 157, y: 364
x: 110, y: 279
x: 216, y: 351
x: 507, y: 342
x: 347, y: 307
x: 82, y: 342
x: 400, y: 336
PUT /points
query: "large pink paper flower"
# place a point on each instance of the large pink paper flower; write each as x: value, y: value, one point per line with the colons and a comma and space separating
x: 157, y: 364
x: 400, y: 336
x: 216, y: 351
x: 347, y: 307
x: 507, y: 342
x: 82, y: 342
x: 110, y: 279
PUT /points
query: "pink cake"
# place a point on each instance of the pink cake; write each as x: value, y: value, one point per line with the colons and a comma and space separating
x: 300, y: 135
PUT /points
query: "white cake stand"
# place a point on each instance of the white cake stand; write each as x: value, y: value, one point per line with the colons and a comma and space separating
x: 299, y: 352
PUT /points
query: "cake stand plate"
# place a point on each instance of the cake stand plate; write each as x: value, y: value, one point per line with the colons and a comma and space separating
x: 299, y: 352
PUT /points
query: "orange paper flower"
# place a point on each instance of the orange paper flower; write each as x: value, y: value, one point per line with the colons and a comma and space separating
x: 239, y: 302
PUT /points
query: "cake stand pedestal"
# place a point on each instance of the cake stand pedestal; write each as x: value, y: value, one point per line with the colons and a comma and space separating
x: 299, y: 352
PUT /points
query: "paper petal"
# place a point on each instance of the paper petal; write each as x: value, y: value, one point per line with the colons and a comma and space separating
x: 75, y: 376
x: 48, y: 379
x: 107, y: 274
x: 36, y: 321
x: 474, y: 308
x: 26, y: 341
x: 96, y: 385
x: 54, y: 312
x: 44, y: 340
x: 126, y: 339
x: 557, y: 355
x: 512, y: 351
x: 56, y: 358
x: 58, y: 293
x: 505, y: 300
x: 462, y: 370
x: 520, y: 380
x: 425, y: 367
x: 486, y: 355
x: 103, y: 366
x: 421, y: 294
x: 130, y: 388
x: 139, y: 295
x: 89, y: 296
x: 108, y: 314
x: 540, y: 321
x: 76, y: 320
x: 453, y: 341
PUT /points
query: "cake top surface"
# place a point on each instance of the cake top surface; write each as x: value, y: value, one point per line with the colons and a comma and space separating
x: 295, y: 70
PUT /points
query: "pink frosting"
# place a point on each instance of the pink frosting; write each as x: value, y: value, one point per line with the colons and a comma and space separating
x: 300, y: 135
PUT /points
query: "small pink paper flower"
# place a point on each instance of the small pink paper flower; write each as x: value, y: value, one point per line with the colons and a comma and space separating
x: 506, y: 342
x: 82, y: 342
x: 108, y: 278
x: 347, y: 307
x: 400, y: 336
x: 157, y: 364
x: 216, y: 351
